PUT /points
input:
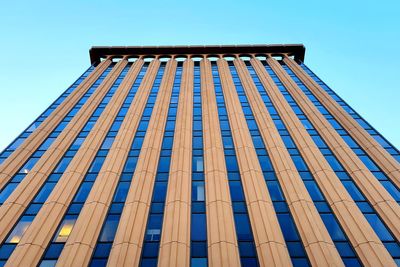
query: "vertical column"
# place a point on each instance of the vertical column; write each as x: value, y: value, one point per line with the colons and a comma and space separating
x: 15, y: 161
x: 175, y: 238
x: 367, y: 245
x: 315, y: 237
x: 80, y: 244
x: 31, y: 184
x: 223, y: 247
x: 128, y: 240
x: 374, y: 191
x: 381, y: 157
x: 268, y: 237
x: 36, y: 238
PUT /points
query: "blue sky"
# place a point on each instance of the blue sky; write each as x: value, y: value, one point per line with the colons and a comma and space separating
x: 351, y: 45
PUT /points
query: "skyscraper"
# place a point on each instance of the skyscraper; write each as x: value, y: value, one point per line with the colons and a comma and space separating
x: 199, y: 156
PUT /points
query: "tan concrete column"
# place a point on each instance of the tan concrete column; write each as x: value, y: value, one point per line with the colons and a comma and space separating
x: 82, y: 240
x: 129, y: 237
x: 175, y: 238
x: 380, y: 156
x: 268, y: 237
x: 383, y: 202
x: 315, y: 237
x: 17, y: 202
x: 36, y: 238
x: 364, y: 240
x: 221, y: 233
x: 18, y: 158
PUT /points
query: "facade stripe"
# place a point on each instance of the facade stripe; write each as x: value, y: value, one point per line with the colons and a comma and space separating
x: 313, y: 233
x: 367, y: 245
x: 127, y: 246
x: 270, y: 244
x: 31, y: 184
x: 381, y: 157
x: 222, y: 242
x: 175, y: 237
x: 14, y: 162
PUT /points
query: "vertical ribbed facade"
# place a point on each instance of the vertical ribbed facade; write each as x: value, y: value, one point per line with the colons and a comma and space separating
x: 199, y: 156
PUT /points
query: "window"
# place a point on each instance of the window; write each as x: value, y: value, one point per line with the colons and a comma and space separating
x: 44, y: 192
x: 198, y: 193
x: 236, y: 191
x: 130, y: 164
x: 7, y: 191
x: 77, y: 143
x: 288, y: 227
x: 160, y: 191
x: 314, y: 191
x: 333, y: 227
x: 19, y: 229
x: 97, y: 163
x: 109, y: 228
x: 153, y: 232
x: 369, y: 163
x: 334, y: 163
x: 83, y: 192
x: 265, y: 163
x: 121, y: 192
x: 198, y: 164
x: 199, y: 223
x: 353, y: 191
x: 107, y: 143
x: 65, y: 228
x: 28, y: 165
x: 243, y: 228
x: 299, y: 162
x: 63, y: 164
x: 275, y: 191
x: 379, y: 227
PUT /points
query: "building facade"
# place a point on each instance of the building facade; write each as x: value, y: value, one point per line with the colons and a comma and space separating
x: 199, y: 156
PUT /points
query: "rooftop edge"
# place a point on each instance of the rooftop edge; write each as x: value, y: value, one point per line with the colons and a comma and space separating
x: 297, y: 50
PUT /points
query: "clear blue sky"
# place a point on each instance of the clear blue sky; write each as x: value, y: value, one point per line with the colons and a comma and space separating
x: 352, y: 45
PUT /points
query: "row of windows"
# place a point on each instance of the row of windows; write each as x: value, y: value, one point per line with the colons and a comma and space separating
x: 198, y: 228
x: 247, y: 250
x: 104, y: 242
x: 152, y: 237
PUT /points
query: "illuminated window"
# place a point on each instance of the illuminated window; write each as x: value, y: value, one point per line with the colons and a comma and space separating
x: 65, y: 228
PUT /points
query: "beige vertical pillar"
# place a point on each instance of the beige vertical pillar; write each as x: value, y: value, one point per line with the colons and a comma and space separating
x: 315, y: 237
x: 364, y: 240
x: 31, y: 184
x: 129, y: 237
x: 268, y: 237
x: 175, y: 238
x: 36, y: 238
x: 374, y: 191
x: 381, y: 157
x: 18, y: 158
x: 82, y: 241
x: 221, y: 233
